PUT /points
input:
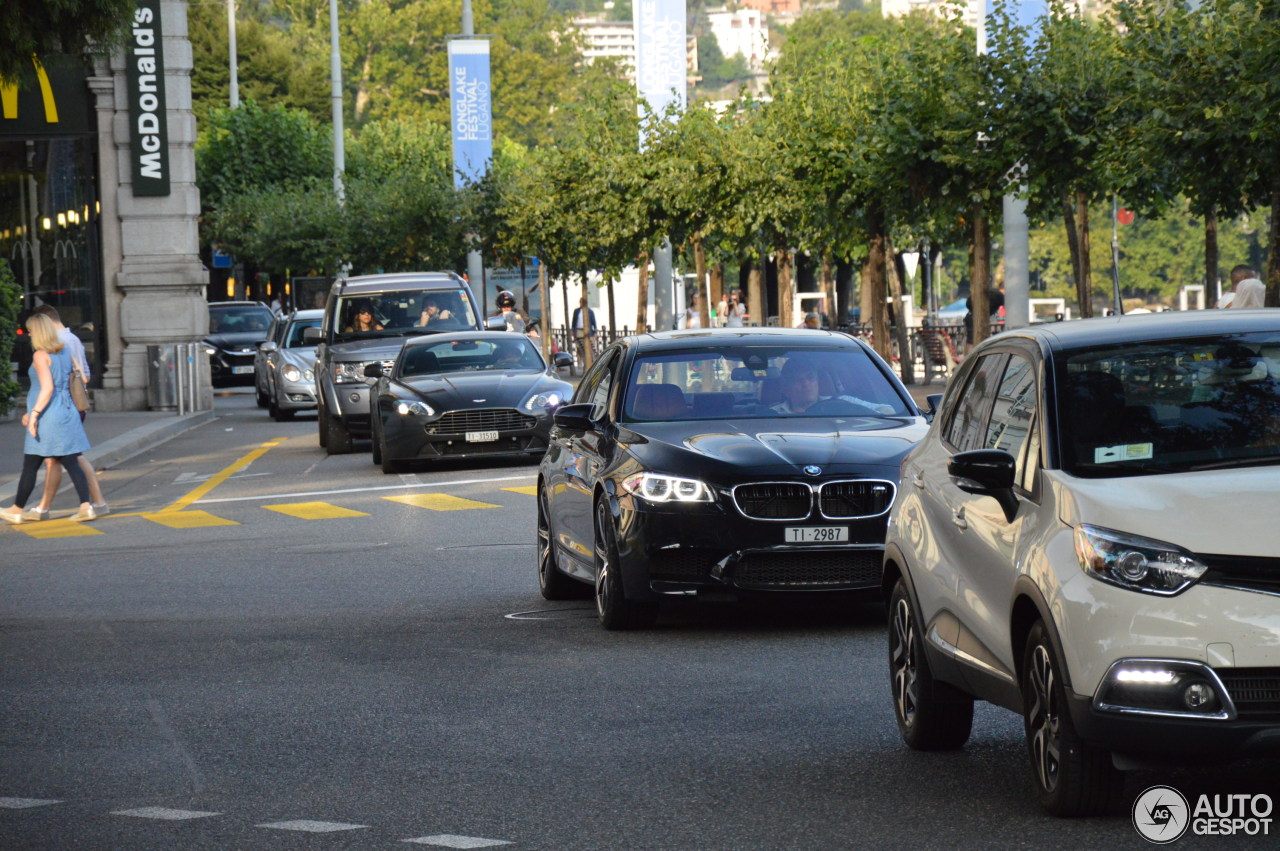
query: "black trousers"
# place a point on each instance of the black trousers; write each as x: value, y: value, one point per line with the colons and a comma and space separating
x: 31, y: 466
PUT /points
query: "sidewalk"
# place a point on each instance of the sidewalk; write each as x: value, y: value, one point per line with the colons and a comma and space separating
x: 114, y: 438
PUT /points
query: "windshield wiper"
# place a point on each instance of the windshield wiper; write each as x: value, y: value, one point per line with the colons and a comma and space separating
x: 1243, y: 461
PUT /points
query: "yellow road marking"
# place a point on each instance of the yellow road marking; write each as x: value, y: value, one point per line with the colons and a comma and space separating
x: 531, y: 490
x: 58, y: 529
x: 188, y: 519
x: 221, y: 476
x: 315, y: 511
x: 440, y: 502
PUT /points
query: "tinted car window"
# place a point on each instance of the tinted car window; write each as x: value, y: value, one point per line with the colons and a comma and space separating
x: 1013, y: 412
x: 757, y: 381
x: 1170, y: 406
x: 238, y: 319
x: 967, y: 428
x: 405, y: 310
x: 471, y: 356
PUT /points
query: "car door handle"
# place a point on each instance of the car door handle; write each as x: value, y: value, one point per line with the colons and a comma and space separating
x: 957, y: 517
x: 918, y: 479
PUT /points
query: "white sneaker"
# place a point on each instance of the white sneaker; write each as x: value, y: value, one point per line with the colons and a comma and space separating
x: 84, y: 514
x: 99, y: 508
x: 34, y: 514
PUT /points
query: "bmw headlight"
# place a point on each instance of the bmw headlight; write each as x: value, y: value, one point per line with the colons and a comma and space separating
x: 348, y: 373
x: 421, y: 409
x: 1136, y: 563
x: 291, y: 373
x: 543, y: 402
x: 653, y: 487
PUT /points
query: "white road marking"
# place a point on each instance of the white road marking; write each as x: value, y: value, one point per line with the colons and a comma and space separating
x: 308, y: 826
x: 23, y: 803
x: 164, y: 813
x: 193, y: 478
x: 410, y: 479
x: 362, y: 490
x: 449, y: 840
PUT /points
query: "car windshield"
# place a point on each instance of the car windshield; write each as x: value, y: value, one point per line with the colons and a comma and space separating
x: 295, y: 332
x: 397, y: 313
x: 516, y: 353
x: 756, y: 382
x: 1170, y: 406
x: 239, y: 319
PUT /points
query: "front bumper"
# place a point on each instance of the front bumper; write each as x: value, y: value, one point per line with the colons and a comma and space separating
x: 228, y: 368
x: 713, y: 551
x: 295, y: 395
x: 413, y: 438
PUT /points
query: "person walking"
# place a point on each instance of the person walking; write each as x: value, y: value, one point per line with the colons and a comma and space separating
x: 735, y: 312
x: 52, y: 471
x: 53, y: 424
x: 1251, y: 294
x: 1238, y: 274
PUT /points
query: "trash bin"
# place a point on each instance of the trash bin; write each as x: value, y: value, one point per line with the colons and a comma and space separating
x: 162, y: 377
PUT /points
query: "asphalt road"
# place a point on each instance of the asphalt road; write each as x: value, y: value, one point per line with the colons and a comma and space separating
x: 267, y: 647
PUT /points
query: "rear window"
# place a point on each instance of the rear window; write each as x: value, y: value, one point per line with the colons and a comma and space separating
x: 1170, y: 406
x: 758, y: 382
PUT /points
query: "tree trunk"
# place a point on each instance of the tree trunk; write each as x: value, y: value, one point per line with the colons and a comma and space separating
x: 1273, y: 250
x: 1073, y: 243
x: 568, y: 316
x: 1084, y: 285
x: 828, y: 286
x: 716, y: 283
x: 642, y: 300
x: 866, y: 300
x: 613, y: 313
x: 875, y: 282
x: 700, y: 270
x: 979, y: 275
x: 755, y: 294
x: 786, y: 289
x: 1211, y: 253
x: 902, y: 333
x: 545, y: 299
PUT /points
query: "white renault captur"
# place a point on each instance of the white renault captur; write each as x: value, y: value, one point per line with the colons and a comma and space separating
x: 1089, y: 535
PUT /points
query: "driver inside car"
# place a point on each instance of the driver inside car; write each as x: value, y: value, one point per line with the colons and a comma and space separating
x: 800, y: 391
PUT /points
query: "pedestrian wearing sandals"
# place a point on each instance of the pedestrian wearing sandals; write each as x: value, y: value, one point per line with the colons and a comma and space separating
x: 52, y: 471
x: 53, y: 424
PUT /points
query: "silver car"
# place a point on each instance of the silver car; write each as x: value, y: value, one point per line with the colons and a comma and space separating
x: 284, y: 366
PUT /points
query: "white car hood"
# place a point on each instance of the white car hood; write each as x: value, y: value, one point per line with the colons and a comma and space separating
x: 1227, y: 512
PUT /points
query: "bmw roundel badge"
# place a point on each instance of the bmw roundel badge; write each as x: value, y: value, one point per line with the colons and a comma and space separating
x: 812, y: 470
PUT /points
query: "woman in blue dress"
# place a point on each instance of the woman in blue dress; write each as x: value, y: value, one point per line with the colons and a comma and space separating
x: 53, y: 424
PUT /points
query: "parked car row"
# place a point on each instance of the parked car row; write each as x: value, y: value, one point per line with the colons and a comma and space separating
x: 1082, y: 531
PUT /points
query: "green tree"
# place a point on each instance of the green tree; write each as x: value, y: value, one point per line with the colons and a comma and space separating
x: 10, y: 307
x: 252, y: 148
x: 43, y: 27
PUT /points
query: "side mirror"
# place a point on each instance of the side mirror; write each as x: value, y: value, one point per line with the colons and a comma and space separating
x: 268, y: 346
x: 312, y: 335
x: 495, y: 323
x: 373, y: 370
x: 986, y: 472
x: 574, y: 417
x: 935, y: 404
x: 563, y: 360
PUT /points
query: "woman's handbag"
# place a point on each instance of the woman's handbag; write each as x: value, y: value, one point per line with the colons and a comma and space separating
x: 79, y: 394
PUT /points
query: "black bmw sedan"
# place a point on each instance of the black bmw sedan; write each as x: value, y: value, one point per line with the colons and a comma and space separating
x: 463, y: 394
x: 720, y: 464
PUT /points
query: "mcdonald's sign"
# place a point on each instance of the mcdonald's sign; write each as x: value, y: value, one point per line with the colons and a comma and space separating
x: 148, y: 116
x: 50, y: 98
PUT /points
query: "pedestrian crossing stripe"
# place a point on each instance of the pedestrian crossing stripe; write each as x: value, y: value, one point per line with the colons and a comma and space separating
x: 188, y: 519
x: 315, y: 511
x: 528, y: 490
x: 440, y: 502
x: 58, y: 529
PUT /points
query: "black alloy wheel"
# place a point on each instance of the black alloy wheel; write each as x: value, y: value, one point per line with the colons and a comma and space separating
x: 1071, y: 778
x: 931, y: 715
x: 612, y: 606
x: 553, y: 584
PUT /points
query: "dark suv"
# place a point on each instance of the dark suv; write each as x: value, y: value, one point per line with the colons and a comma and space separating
x: 366, y: 320
x: 235, y: 330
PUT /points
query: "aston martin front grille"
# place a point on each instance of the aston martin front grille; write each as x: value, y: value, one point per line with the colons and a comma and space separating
x: 774, y: 500
x: 849, y: 500
x: 481, y: 419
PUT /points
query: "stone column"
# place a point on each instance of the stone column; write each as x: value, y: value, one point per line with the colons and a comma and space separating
x: 159, y: 283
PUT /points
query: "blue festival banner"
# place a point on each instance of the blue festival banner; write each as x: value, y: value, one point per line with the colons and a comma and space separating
x: 661, y: 52
x: 471, y: 109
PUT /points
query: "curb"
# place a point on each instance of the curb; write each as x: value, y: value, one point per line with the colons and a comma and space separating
x: 119, y: 449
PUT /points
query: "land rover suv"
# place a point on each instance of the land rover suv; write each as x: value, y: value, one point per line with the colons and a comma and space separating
x: 366, y: 320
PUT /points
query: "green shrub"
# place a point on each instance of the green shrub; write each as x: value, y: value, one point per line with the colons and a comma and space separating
x: 10, y: 306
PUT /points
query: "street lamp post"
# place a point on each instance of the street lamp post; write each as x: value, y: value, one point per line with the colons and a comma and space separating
x: 231, y: 40
x: 335, y: 96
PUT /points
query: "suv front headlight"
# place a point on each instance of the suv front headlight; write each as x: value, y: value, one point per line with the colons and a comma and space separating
x: 1136, y: 563
x: 348, y: 373
x: 653, y: 487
